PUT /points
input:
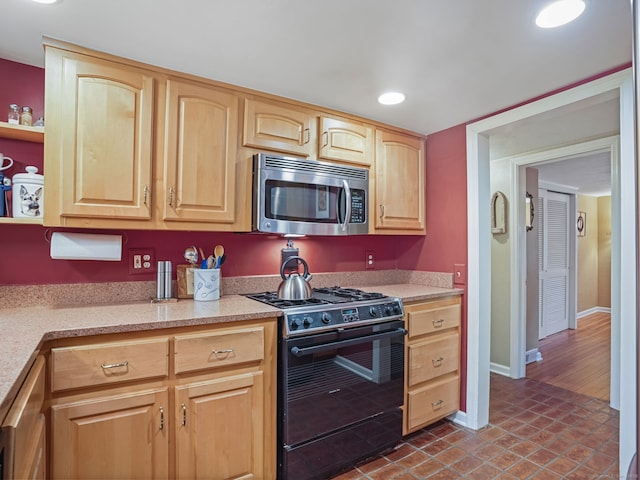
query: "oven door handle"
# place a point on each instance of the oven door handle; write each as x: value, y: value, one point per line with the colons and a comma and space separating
x: 301, y: 352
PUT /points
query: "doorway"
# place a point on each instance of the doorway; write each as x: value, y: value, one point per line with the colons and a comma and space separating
x: 479, y: 138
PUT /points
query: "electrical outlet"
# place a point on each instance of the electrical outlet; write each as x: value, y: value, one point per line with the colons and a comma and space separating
x: 141, y: 260
x: 459, y: 274
x: 369, y: 260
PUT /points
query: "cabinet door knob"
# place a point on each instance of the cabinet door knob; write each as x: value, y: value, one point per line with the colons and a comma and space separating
x: 145, y: 194
x: 161, y: 418
x: 171, y: 197
x: 184, y: 415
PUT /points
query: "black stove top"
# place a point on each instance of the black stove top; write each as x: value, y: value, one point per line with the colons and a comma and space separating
x: 332, y: 308
x: 319, y: 296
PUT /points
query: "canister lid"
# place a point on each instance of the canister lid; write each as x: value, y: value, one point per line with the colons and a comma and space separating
x: 32, y: 176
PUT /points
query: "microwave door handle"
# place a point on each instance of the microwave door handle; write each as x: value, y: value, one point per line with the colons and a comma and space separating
x: 347, y: 215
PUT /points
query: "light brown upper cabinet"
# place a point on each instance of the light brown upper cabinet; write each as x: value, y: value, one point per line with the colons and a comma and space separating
x: 399, y: 184
x: 200, y: 154
x: 98, y: 148
x: 345, y: 141
x: 280, y: 127
x: 133, y: 148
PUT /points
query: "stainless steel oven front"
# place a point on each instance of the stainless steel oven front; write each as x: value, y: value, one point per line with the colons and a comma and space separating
x: 340, y: 397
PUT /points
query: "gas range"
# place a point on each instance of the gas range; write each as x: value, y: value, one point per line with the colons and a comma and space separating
x: 332, y: 308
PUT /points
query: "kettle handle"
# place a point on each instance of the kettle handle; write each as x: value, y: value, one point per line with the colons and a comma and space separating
x: 300, y: 260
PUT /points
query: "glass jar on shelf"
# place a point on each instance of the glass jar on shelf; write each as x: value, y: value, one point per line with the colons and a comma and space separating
x: 26, y: 116
x: 14, y: 114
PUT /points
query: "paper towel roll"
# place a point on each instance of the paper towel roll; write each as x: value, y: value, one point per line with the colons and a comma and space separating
x: 86, y: 246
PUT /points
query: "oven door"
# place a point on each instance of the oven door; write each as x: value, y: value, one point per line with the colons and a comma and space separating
x: 341, y: 397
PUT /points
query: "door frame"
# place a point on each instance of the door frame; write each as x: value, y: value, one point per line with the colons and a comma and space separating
x: 518, y: 252
x: 479, y: 248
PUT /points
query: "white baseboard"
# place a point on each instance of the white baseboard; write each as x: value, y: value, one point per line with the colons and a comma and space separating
x: 459, y: 418
x: 589, y: 311
x: 500, y: 369
x: 533, y: 355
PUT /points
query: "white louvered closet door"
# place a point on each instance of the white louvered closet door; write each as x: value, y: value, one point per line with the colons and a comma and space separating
x: 553, y: 244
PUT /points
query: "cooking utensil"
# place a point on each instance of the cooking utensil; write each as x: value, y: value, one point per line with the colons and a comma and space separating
x: 218, y: 252
x: 191, y: 255
x: 294, y: 286
x: 210, y: 261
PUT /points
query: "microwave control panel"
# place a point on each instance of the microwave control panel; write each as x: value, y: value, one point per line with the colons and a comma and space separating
x: 357, y: 207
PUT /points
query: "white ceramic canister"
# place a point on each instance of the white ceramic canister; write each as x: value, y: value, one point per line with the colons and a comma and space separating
x: 28, y: 194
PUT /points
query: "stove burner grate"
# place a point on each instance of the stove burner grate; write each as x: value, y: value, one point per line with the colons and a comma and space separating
x: 320, y: 296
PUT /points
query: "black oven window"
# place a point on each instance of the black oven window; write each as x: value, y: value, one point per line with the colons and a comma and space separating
x: 301, y: 202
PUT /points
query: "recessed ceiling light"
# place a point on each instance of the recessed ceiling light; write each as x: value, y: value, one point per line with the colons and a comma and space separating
x: 560, y: 13
x: 391, y: 98
x: 47, y: 2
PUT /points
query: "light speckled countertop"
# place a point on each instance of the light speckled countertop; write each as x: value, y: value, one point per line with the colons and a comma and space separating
x: 26, y: 328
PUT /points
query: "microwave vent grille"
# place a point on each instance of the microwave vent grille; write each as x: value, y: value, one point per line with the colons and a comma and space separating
x: 316, y: 167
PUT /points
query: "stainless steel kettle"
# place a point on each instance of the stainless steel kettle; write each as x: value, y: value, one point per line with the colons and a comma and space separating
x: 294, y: 286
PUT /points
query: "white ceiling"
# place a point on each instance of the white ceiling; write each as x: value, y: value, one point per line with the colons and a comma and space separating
x: 590, y: 174
x: 456, y: 60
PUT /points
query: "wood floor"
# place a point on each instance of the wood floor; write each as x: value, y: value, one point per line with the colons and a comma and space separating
x: 577, y: 360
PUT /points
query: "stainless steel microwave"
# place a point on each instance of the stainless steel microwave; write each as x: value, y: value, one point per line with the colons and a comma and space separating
x: 308, y: 197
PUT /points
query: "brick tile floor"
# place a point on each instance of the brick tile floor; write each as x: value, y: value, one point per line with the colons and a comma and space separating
x: 536, y: 432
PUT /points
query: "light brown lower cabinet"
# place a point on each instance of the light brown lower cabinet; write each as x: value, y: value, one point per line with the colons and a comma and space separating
x: 119, y: 436
x: 432, y: 362
x: 198, y: 404
x: 218, y: 435
x: 25, y: 429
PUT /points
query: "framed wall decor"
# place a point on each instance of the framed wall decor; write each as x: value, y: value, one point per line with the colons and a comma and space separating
x: 581, y: 224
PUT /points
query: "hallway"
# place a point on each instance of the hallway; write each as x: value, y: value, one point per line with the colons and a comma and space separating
x: 577, y: 360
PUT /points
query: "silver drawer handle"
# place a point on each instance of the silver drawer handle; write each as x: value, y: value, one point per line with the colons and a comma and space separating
x: 437, y: 361
x: 115, y: 365
x: 221, y: 352
x: 437, y: 404
x: 438, y: 323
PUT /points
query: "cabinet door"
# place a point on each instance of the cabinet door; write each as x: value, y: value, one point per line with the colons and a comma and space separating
x: 345, y: 141
x: 102, y: 138
x: 25, y: 427
x: 122, y: 436
x: 220, y: 428
x: 399, y: 184
x: 200, y: 154
x: 279, y: 127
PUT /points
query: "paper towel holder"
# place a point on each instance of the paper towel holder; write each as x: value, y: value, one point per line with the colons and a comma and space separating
x: 85, y: 246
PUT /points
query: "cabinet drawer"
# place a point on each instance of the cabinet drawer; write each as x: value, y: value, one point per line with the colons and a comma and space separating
x: 432, y: 358
x: 106, y: 363
x: 435, y: 401
x: 429, y: 318
x: 218, y: 349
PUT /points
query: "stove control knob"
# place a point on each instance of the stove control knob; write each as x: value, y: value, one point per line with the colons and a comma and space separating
x: 396, y: 309
x: 326, y: 318
x: 307, y: 321
x: 295, y: 324
x: 388, y: 310
x: 373, y: 312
